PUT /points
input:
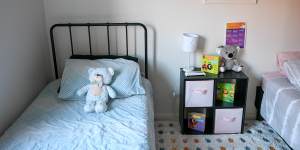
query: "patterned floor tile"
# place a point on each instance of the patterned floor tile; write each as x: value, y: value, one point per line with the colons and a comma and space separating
x: 257, y: 136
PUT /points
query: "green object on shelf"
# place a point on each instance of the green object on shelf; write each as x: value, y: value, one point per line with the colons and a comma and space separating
x: 225, y: 92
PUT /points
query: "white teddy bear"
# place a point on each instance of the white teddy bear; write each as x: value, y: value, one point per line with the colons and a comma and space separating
x: 98, y: 91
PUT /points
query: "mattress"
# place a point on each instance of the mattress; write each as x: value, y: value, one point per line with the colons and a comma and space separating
x: 51, y: 123
x: 281, y: 108
x: 269, y: 76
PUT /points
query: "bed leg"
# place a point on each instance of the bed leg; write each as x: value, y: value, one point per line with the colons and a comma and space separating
x: 258, y: 100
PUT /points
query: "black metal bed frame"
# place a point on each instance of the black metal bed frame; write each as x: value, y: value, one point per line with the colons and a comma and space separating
x: 91, y: 56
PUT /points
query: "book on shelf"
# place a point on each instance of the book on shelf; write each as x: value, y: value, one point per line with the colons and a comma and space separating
x: 225, y: 92
x: 195, y: 73
x: 196, y: 121
x: 211, y: 64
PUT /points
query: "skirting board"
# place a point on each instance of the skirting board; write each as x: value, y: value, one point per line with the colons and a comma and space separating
x: 250, y: 116
x: 174, y: 117
x: 166, y: 117
x: 230, y: 1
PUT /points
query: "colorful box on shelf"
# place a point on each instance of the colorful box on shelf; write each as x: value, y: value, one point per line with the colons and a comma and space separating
x: 196, y: 121
x: 210, y: 64
x: 225, y: 92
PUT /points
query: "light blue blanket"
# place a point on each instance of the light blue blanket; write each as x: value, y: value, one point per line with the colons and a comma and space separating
x: 51, y: 123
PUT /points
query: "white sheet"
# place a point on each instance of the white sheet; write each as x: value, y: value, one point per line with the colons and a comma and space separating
x: 51, y: 123
x: 292, y: 70
x: 281, y: 109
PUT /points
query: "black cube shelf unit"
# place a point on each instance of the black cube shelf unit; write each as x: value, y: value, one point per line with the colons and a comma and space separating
x: 198, y: 94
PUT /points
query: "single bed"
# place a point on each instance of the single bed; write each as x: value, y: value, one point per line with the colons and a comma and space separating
x: 52, y: 123
x: 278, y: 103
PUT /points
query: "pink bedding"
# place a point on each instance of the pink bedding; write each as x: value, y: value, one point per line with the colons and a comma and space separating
x: 285, y: 56
x: 269, y: 76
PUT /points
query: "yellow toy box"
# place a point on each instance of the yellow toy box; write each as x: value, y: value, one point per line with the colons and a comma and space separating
x: 211, y: 64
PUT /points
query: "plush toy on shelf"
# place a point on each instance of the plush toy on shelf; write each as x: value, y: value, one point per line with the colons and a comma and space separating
x: 98, y: 91
x: 229, y: 60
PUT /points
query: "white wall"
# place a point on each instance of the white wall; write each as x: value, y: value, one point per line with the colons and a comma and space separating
x: 23, y: 56
x: 273, y: 26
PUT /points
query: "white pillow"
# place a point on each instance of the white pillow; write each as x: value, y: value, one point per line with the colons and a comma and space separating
x: 126, y: 80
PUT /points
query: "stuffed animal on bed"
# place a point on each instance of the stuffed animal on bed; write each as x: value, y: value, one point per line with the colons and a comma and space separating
x: 98, y: 91
x: 229, y: 58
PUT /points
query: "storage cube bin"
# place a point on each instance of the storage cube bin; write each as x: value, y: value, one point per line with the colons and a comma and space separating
x: 228, y: 120
x: 199, y: 93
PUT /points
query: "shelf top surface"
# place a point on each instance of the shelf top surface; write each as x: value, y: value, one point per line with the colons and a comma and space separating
x: 225, y: 75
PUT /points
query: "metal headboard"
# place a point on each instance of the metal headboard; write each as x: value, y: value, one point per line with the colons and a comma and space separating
x: 91, y: 56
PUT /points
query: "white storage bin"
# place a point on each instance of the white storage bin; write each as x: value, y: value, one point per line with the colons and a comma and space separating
x: 228, y: 120
x: 199, y: 93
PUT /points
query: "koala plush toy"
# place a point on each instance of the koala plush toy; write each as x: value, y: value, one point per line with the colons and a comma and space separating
x: 229, y: 58
x: 98, y: 91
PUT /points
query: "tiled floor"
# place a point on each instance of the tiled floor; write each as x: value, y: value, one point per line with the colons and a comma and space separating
x: 257, y: 136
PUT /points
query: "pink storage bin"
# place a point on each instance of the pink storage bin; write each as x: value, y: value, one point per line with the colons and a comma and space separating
x: 199, y: 93
x: 285, y: 56
x: 228, y: 120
